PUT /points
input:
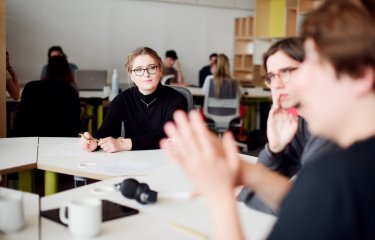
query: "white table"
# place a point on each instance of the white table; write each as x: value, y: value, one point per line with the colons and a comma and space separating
x: 18, y: 154
x: 31, y: 214
x: 94, y: 94
x: 154, y: 221
x: 196, y: 91
x: 255, y: 92
x: 63, y: 155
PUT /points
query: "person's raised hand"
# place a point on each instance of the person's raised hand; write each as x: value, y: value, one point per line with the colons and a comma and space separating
x: 281, y: 127
x: 212, y: 164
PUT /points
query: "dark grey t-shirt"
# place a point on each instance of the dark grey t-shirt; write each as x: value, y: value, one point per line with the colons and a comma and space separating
x: 303, y: 149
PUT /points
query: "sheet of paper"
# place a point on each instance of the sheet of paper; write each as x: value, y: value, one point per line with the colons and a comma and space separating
x: 118, y: 168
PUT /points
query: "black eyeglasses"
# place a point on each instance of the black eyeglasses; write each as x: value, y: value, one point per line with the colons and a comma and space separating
x: 150, y: 69
x: 283, y: 74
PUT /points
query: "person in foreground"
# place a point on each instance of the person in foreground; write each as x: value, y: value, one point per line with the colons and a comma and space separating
x: 332, y: 197
x: 142, y: 110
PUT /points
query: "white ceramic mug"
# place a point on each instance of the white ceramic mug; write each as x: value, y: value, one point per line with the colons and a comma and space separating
x: 11, y: 212
x: 84, y: 216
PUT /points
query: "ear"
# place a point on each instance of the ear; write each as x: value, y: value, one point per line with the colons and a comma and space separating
x: 365, y: 84
x: 311, y: 49
x: 161, y: 68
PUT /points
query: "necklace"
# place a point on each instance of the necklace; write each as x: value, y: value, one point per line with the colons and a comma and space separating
x: 148, y: 104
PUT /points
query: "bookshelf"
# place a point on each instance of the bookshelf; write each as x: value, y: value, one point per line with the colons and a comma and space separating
x: 243, y: 49
x: 274, y: 19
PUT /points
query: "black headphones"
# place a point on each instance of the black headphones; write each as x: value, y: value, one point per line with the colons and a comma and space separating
x: 132, y: 189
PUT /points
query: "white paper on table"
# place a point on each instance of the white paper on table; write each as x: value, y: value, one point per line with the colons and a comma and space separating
x: 119, y: 168
x: 66, y: 149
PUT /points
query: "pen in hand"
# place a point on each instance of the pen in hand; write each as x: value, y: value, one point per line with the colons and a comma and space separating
x: 82, y: 135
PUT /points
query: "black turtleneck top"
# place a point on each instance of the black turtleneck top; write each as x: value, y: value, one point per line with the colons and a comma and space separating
x: 143, y: 116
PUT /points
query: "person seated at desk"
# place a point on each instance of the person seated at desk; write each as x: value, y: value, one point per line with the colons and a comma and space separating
x: 208, y: 70
x: 50, y: 107
x: 142, y: 109
x: 222, y: 87
x: 57, y: 51
x: 290, y: 143
x: 170, y: 60
x: 332, y: 197
x: 11, y: 80
x: 223, y: 82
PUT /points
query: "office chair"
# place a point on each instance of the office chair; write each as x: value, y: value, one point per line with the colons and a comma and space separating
x: 166, y: 80
x: 187, y: 94
x: 223, y: 110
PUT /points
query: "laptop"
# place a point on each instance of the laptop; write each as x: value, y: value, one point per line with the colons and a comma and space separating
x: 91, y: 80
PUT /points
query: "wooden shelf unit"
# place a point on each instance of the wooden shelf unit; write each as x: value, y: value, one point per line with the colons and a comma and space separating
x: 243, y: 49
x: 280, y: 18
x: 274, y: 19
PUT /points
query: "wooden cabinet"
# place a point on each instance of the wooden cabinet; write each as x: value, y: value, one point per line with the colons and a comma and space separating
x: 243, y: 49
x: 270, y: 18
x: 280, y: 18
x: 274, y: 19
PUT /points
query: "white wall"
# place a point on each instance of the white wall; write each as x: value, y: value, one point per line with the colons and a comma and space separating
x: 99, y: 34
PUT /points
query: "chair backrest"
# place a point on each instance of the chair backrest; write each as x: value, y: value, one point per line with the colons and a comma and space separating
x: 225, y: 107
x: 48, y: 109
x: 167, y: 79
x: 187, y: 94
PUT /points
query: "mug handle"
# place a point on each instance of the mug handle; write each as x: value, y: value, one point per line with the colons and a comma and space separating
x: 62, y: 215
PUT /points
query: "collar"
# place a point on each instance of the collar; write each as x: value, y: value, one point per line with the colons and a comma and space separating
x: 150, y: 97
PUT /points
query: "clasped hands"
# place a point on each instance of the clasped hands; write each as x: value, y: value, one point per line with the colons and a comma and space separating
x: 108, y: 144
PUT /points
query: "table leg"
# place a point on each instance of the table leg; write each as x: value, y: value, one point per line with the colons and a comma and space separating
x: 50, y: 183
x: 25, y: 181
x: 99, y: 116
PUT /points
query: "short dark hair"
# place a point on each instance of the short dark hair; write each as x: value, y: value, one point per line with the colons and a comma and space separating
x: 171, y: 54
x: 293, y: 47
x: 58, y: 70
x: 213, y: 55
x: 55, y: 48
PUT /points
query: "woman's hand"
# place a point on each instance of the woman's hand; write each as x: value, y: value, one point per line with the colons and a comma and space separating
x: 281, y: 128
x: 111, y: 145
x: 87, y: 143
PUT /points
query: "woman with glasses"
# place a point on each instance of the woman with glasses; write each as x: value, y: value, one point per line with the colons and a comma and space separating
x: 142, y: 109
x: 290, y: 144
